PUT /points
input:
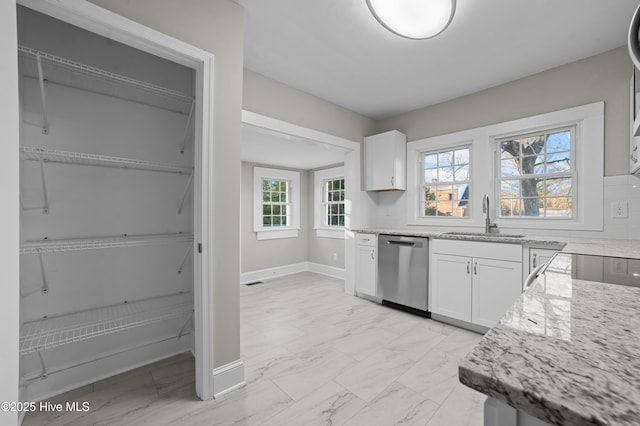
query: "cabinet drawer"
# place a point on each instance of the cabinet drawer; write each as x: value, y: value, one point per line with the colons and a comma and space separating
x: 480, y: 249
x: 366, y: 239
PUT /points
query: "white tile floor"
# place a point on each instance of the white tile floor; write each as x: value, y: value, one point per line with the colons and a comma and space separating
x: 313, y: 356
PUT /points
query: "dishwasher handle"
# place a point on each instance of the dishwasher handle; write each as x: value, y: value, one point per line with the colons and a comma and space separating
x: 415, y: 244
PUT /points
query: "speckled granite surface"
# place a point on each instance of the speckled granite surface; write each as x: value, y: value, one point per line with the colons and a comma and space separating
x: 568, y: 351
x: 596, y: 246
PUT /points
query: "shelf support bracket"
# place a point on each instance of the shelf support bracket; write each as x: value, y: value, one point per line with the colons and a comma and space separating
x: 45, y: 122
x: 187, y: 127
x: 45, y: 285
x: 182, y: 333
x: 42, y: 364
x: 184, y: 194
x: 45, y: 199
x: 184, y: 259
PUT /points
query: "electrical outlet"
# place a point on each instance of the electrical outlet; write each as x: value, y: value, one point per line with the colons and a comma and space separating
x: 335, y: 257
x: 619, y: 209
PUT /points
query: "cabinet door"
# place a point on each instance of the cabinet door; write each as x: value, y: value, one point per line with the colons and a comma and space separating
x: 366, y: 270
x: 496, y: 285
x: 450, y: 286
x: 538, y: 257
x: 385, y: 161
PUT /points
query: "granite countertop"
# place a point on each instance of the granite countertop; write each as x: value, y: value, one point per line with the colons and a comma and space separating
x: 567, y: 351
x: 581, y: 245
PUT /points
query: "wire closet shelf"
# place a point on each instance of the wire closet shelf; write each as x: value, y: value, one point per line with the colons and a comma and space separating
x: 85, y: 77
x: 77, y: 244
x: 80, y: 158
x: 60, y: 330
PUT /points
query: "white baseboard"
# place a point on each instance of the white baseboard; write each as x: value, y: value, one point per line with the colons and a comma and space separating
x: 330, y: 271
x: 227, y: 378
x: 294, y: 268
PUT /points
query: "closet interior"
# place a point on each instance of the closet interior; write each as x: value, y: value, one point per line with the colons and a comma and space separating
x: 107, y: 206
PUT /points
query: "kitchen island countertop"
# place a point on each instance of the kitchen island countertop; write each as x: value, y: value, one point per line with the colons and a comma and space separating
x: 567, y: 351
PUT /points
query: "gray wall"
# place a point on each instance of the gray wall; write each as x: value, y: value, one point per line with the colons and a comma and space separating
x: 217, y: 27
x: 603, y: 77
x: 321, y: 250
x: 257, y: 255
x: 265, y: 254
x: 265, y: 96
x: 268, y: 97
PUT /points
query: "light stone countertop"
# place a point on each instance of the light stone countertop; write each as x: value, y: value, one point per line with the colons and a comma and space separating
x: 579, y: 245
x: 567, y: 351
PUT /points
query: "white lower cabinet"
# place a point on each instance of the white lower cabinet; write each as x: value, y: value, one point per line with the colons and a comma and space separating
x: 496, y: 284
x: 451, y: 286
x: 470, y: 288
x: 366, y: 264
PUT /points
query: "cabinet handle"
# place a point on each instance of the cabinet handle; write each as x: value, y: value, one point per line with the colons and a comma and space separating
x: 372, y: 258
x: 468, y: 265
x: 535, y: 260
x: 475, y: 268
x: 634, y: 157
x: 392, y: 180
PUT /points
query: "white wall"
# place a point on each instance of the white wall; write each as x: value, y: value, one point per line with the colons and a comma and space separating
x: 9, y: 211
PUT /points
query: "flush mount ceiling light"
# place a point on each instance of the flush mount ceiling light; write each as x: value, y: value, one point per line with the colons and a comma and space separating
x: 414, y: 19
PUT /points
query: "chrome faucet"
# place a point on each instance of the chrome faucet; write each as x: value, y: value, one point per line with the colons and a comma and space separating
x: 488, y: 226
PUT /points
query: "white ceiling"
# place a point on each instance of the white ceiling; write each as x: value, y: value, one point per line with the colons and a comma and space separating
x: 268, y: 147
x: 337, y: 51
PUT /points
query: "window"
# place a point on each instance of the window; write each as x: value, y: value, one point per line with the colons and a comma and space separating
x: 544, y: 172
x: 333, y: 202
x: 276, y: 195
x: 445, y: 190
x: 536, y: 176
x: 329, y: 199
x: 275, y: 204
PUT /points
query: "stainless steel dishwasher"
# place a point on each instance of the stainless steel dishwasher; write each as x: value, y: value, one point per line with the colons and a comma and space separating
x: 403, y: 272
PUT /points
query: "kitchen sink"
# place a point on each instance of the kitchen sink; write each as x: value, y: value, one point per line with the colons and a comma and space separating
x: 484, y: 234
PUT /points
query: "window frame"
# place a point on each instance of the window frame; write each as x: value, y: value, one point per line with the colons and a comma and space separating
x: 424, y: 184
x: 588, y: 159
x: 291, y: 230
x: 573, y: 174
x: 319, y: 220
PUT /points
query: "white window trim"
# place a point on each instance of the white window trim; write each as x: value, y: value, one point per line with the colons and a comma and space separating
x: 319, y: 177
x: 289, y: 231
x: 589, y: 167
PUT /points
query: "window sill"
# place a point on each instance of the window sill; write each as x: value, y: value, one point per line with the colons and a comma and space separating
x: 337, y: 234
x: 273, y: 234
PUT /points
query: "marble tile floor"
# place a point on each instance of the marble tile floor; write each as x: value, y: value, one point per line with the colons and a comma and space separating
x: 313, y: 356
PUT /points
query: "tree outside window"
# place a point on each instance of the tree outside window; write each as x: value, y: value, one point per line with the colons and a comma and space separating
x: 537, y: 175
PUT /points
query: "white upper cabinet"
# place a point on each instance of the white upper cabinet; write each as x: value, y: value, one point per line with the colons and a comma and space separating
x: 385, y: 161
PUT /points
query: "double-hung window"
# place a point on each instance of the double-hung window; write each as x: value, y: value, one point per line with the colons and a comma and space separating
x: 276, y: 203
x: 536, y: 175
x: 329, y: 200
x: 445, y: 186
